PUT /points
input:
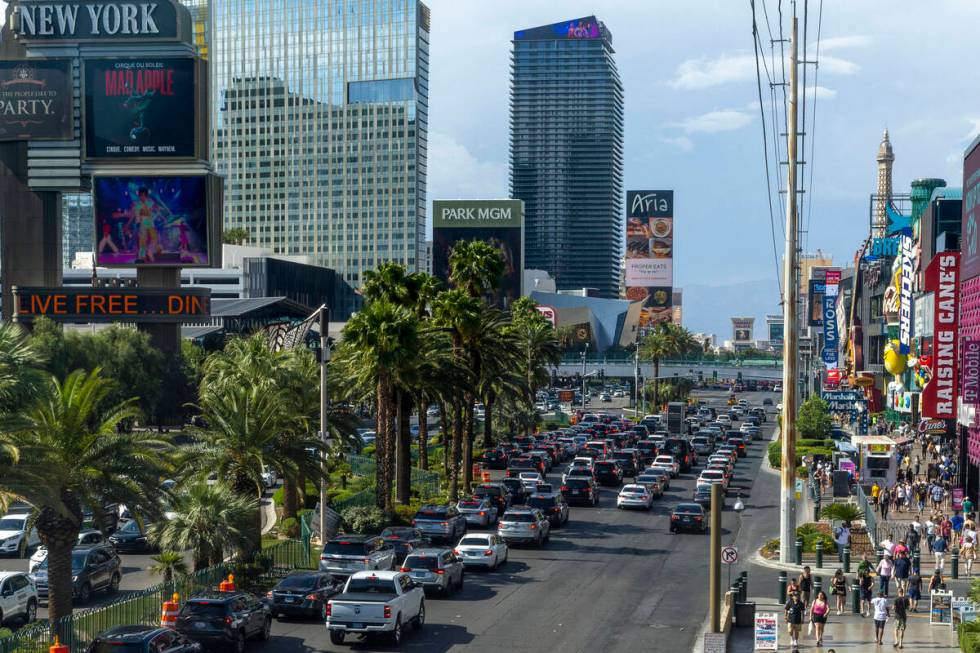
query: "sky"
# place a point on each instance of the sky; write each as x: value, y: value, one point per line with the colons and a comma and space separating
x: 693, y: 122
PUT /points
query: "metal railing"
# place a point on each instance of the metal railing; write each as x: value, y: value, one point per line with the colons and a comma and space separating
x: 362, y: 498
x: 870, y: 519
x: 425, y: 482
x: 143, y: 607
x: 594, y: 358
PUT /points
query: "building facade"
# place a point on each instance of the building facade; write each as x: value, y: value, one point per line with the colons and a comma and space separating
x: 319, y: 127
x: 77, y: 226
x: 566, y: 152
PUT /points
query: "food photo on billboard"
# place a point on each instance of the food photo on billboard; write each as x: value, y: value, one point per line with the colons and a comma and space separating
x: 140, y: 108
x: 151, y: 220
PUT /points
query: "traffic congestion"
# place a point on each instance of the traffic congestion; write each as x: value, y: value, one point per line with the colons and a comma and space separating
x: 535, y: 493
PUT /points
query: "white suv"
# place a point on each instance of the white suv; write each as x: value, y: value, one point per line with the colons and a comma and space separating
x: 12, y: 529
x: 18, y: 597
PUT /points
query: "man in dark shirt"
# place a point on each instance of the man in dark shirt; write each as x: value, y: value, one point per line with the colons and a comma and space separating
x: 795, y: 611
x: 901, y: 607
x: 902, y: 570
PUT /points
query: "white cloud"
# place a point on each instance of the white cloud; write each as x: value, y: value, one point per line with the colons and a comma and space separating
x: 682, y: 143
x: 842, y: 42
x: 837, y: 66
x: 704, y: 72
x: 454, y: 172
x: 714, y: 121
x: 821, y: 92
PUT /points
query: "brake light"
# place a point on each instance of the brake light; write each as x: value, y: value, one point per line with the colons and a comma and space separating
x: 483, y: 514
x: 311, y: 597
x: 440, y: 572
x: 413, y: 522
x: 227, y: 621
x: 444, y: 523
x: 564, y: 488
x: 367, y: 561
x: 533, y: 526
x: 488, y: 552
x: 697, y: 518
x: 556, y: 509
x: 329, y: 609
x: 387, y: 612
x: 456, y: 552
x: 404, y: 569
x: 674, y: 517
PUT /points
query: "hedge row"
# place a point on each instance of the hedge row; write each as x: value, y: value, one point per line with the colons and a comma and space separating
x: 775, y: 451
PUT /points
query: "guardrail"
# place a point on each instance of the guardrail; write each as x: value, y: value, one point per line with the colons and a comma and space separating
x: 593, y: 359
x: 143, y: 607
x: 426, y: 482
x: 870, y: 520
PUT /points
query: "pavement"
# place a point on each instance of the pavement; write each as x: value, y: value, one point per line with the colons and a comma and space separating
x: 610, y: 581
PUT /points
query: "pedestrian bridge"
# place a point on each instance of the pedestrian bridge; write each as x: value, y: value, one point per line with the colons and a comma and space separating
x: 624, y: 368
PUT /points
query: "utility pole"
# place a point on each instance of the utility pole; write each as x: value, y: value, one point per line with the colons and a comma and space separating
x: 324, y: 408
x: 787, y: 500
x: 636, y: 382
x: 714, y: 559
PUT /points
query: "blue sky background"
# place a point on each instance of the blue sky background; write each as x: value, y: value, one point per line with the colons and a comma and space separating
x: 693, y: 125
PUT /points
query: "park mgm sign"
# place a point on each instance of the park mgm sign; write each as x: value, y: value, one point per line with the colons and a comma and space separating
x: 118, y: 94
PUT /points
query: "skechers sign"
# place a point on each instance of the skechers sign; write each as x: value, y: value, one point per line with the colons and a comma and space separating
x: 905, y: 297
x: 94, y: 20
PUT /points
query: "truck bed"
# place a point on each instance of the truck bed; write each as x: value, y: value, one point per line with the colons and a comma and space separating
x: 363, y: 597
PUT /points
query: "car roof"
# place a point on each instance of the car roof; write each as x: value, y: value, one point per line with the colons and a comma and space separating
x: 7, y: 574
x: 684, y: 507
x: 382, y: 575
x: 353, y: 537
x: 431, y: 551
x: 132, y: 633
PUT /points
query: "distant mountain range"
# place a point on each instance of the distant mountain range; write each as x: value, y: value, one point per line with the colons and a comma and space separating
x: 709, y: 309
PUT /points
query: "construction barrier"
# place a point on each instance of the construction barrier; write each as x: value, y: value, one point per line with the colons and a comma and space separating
x: 227, y: 585
x: 168, y: 615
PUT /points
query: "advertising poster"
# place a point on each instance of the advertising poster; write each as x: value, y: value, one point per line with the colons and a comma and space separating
x: 970, y: 243
x: 576, y: 30
x: 905, y: 293
x: 941, y: 608
x: 941, y: 389
x: 497, y: 222
x: 151, y: 221
x: 970, y: 369
x: 742, y: 329
x: 766, y: 631
x: 36, y: 100
x: 816, y: 290
x: 830, y: 346
x: 140, y: 108
x: 650, y: 254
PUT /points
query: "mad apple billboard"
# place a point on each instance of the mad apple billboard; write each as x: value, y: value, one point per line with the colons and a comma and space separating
x: 650, y: 254
x: 497, y: 222
x: 160, y: 220
x: 140, y: 108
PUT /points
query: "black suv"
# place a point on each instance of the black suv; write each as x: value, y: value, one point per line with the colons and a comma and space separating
x: 682, y: 452
x: 141, y: 639
x: 627, y: 460
x: 225, y: 619
x: 495, y: 492
x: 581, y: 490
x: 495, y: 459
x: 93, y: 569
x: 516, y: 490
x: 553, y: 505
x: 303, y: 593
x: 608, y: 472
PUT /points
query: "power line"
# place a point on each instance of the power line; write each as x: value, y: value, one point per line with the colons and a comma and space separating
x: 765, y: 145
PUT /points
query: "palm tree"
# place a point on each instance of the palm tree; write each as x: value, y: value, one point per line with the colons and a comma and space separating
x: 245, y: 425
x: 475, y: 267
x: 168, y: 564
x: 71, y: 455
x: 379, y: 351
x: 208, y: 520
x: 460, y: 314
x: 665, y: 340
x: 538, y: 343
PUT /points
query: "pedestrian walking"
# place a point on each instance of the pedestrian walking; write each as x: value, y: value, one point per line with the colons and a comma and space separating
x: 902, y: 569
x: 818, y: 615
x: 901, y: 607
x: 915, y: 590
x: 937, y: 496
x: 968, y: 507
x: 793, y: 589
x: 884, y: 569
x: 880, y: 605
x: 838, y: 587
x: 806, y: 585
x: 883, y: 501
x: 795, y: 611
x: 842, y: 535
x: 866, y: 583
x: 865, y: 564
x: 939, y: 550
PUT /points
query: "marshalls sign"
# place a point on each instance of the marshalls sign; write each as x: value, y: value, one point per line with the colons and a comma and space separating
x: 98, y: 20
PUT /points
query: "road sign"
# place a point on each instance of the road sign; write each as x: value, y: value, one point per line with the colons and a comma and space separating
x: 729, y: 555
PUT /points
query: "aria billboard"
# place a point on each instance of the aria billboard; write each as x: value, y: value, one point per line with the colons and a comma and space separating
x: 650, y: 254
x: 140, y: 108
x: 154, y: 221
x: 35, y: 100
x: 497, y: 222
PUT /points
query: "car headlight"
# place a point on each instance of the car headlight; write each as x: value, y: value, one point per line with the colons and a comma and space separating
x: 74, y: 579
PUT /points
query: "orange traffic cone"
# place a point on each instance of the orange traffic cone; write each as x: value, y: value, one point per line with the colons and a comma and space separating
x: 227, y: 585
x: 57, y: 647
x: 168, y: 616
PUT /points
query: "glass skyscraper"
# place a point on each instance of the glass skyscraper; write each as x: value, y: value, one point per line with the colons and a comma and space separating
x: 319, y: 127
x: 566, y: 152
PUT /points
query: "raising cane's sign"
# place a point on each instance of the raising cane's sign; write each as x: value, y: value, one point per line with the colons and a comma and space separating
x: 939, y: 394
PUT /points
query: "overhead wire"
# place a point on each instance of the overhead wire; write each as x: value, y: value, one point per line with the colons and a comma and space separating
x: 813, y: 116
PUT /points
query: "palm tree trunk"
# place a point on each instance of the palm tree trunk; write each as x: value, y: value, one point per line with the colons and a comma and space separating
x: 288, y: 496
x: 444, y: 437
x: 381, y: 443
x: 656, y: 384
x: 468, y: 443
x: 202, y: 557
x: 59, y: 534
x: 488, y: 419
x: 300, y: 491
x: 456, y: 451
x: 403, y: 462
x: 423, y: 407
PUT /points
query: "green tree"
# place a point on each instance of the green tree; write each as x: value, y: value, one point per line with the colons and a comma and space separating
x: 169, y: 564
x: 236, y: 236
x: 665, y: 340
x: 475, y: 267
x: 814, y: 419
x: 209, y: 520
x: 71, y: 455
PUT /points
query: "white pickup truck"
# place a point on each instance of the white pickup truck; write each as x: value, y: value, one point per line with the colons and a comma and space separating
x: 376, y: 602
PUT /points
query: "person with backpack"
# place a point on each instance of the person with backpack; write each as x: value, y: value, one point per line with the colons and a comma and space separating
x: 902, y: 570
x: 866, y: 584
x: 915, y: 589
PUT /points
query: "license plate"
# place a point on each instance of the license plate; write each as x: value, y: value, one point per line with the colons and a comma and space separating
x: 419, y: 574
x: 200, y: 624
x: 686, y: 519
x: 357, y: 625
x: 292, y: 599
x: 473, y: 553
x: 576, y: 492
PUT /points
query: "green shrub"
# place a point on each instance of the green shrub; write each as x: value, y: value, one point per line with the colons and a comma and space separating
x: 405, y: 513
x: 775, y: 453
x: 841, y: 512
x: 810, y: 535
x: 802, y: 472
x: 969, y: 637
x: 5, y: 632
x: 289, y: 527
x: 363, y: 519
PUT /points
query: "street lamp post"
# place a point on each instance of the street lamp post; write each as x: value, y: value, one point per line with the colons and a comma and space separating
x: 324, y: 408
x: 585, y: 353
x: 636, y: 382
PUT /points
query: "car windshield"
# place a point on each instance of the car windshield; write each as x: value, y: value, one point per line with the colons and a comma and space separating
x: 344, y: 548
x: 204, y: 609
x: 421, y: 562
x: 432, y: 513
x: 470, y: 504
x: 540, y: 502
x: 577, y: 482
x: 399, y: 533
x: 77, y: 561
x: 301, y: 582
x: 11, y: 524
x: 130, y: 527
x: 633, y: 490
x: 519, y: 517
x: 646, y: 478
x: 486, y: 491
x: 474, y: 540
x: 371, y: 585
x: 688, y: 508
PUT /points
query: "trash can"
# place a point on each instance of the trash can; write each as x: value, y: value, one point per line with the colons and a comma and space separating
x: 744, y: 614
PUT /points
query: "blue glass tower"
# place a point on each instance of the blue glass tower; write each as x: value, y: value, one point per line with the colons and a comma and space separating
x: 566, y: 152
